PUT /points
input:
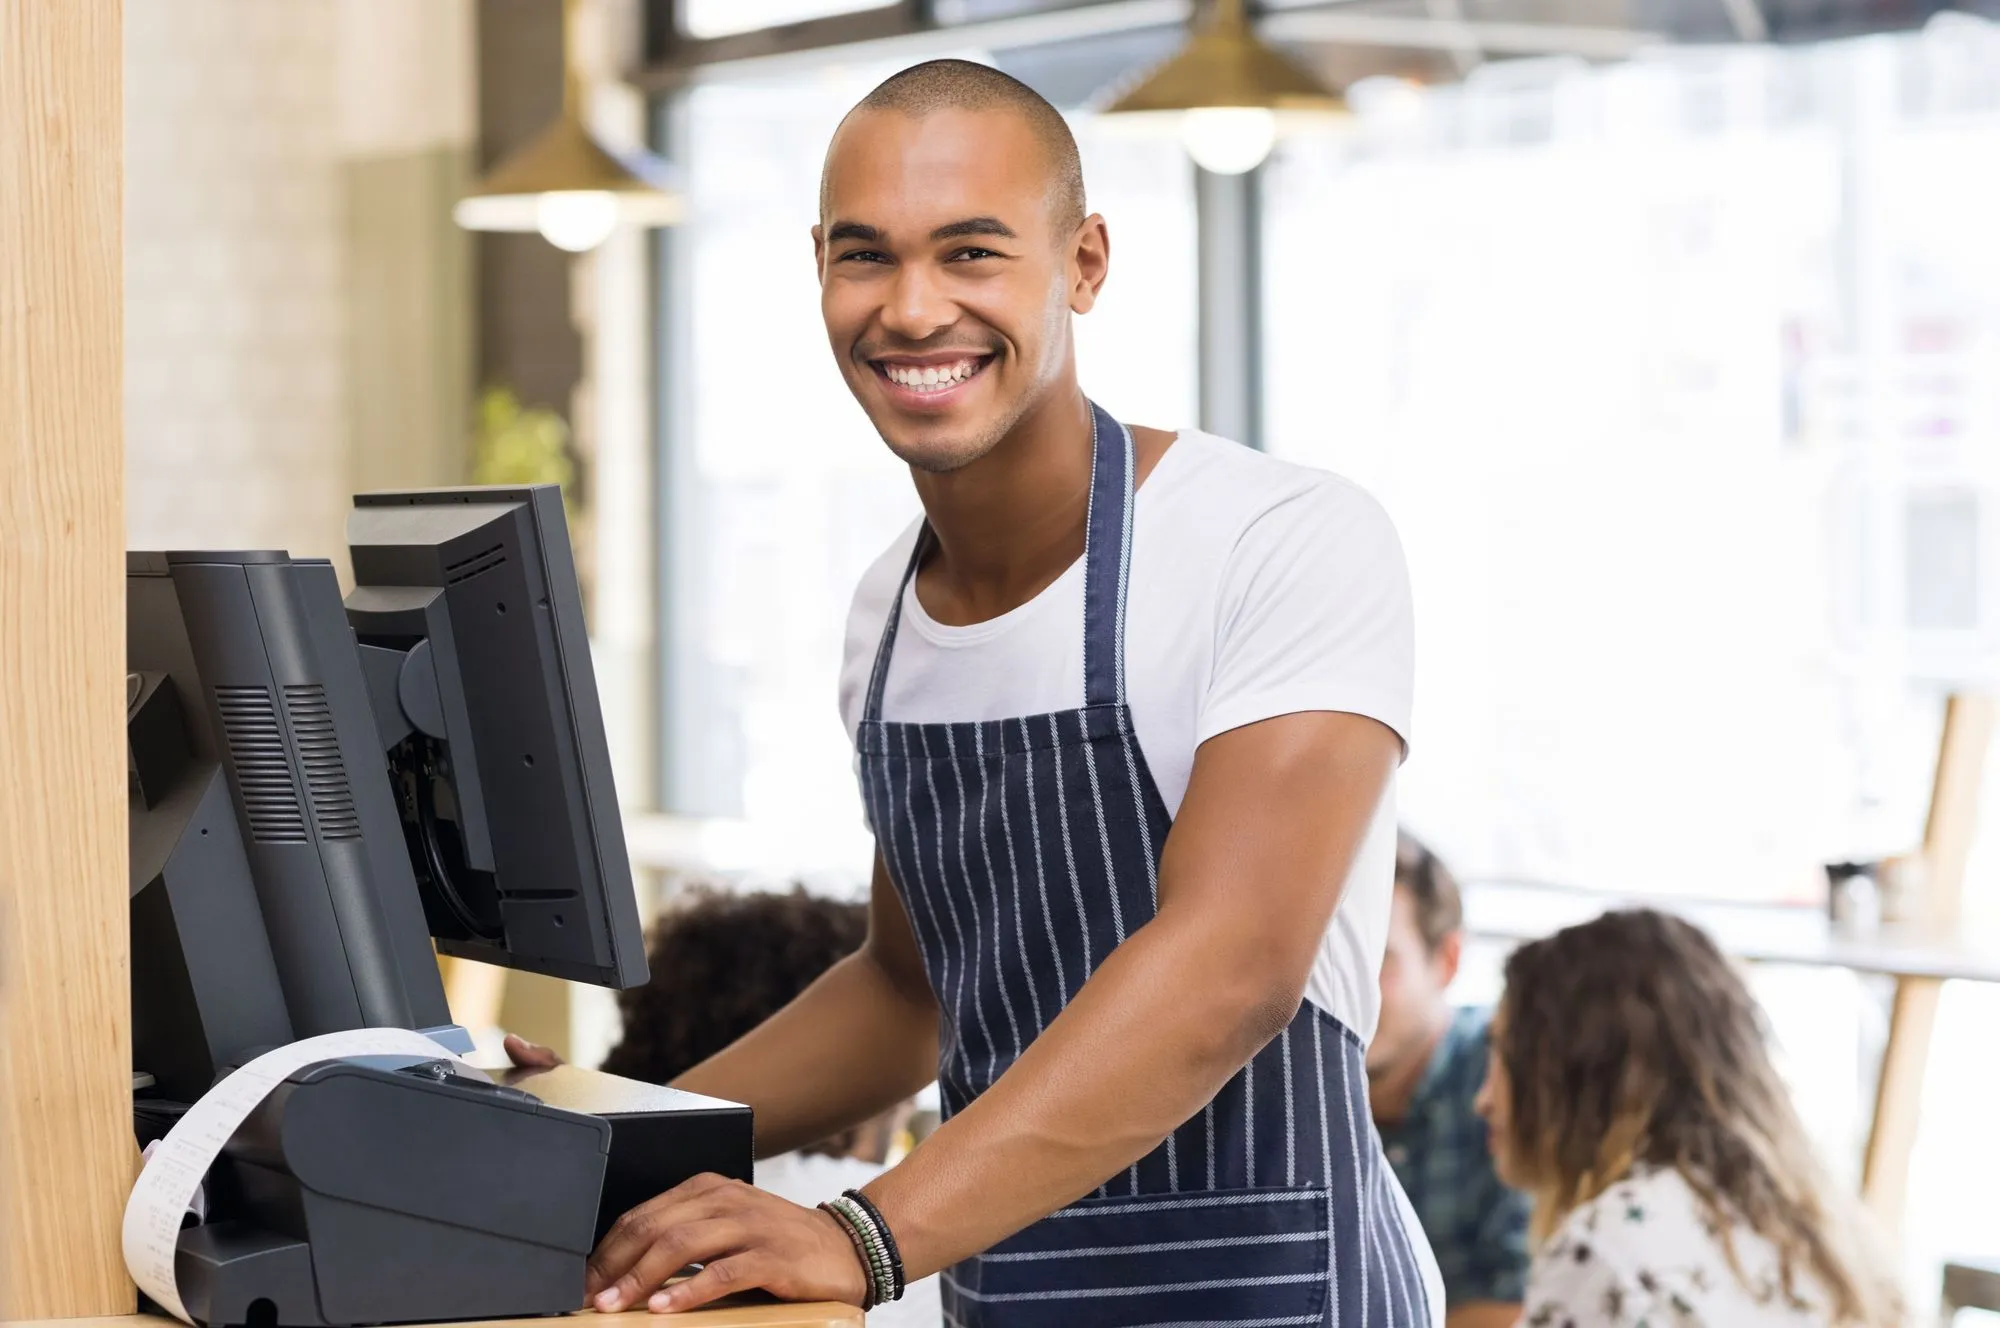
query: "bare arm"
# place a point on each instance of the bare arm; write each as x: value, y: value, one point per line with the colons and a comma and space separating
x: 1483, y: 1314
x: 1274, y: 813
x: 855, y: 1043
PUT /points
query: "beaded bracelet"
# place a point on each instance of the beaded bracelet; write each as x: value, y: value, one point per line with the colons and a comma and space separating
x: 867, y: 1246
x: 869, y: 1234
x: 882, y: 1227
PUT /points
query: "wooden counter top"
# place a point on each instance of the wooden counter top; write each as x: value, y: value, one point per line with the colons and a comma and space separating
x: 728, y: 1316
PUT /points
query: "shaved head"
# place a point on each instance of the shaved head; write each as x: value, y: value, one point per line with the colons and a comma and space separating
x: 964, y: 85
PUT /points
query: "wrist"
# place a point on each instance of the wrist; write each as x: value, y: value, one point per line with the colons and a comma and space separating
x: 853, y: 1278
x: 874, y: 1246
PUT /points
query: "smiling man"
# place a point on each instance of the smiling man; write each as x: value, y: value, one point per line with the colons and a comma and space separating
x: 1128, y: 707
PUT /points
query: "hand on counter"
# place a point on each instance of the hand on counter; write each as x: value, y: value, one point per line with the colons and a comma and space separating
x: 744, y: 1238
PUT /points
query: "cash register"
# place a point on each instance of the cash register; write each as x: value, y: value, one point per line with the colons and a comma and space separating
x: 325, y: 795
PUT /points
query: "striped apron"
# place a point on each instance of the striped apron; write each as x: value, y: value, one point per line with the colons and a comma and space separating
x: 1025, y: 851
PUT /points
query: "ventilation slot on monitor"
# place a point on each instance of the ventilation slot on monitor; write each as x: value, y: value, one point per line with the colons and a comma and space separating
x: 263, y: 772
x: 319, y: 752
x: 467, y: 568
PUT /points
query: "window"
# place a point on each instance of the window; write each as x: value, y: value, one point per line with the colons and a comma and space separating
x: 788, y: 494
x: 720, y: 18
x: 1698, y: 354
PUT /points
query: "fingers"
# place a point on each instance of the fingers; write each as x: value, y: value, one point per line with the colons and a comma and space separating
x: 741, y: 1237
x: 631, y: 1235
x: 724, y: 1277
x: 529, y: 1055
x: 671, y: 1250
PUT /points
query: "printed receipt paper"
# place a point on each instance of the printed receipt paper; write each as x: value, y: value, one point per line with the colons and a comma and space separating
x: 176, y: 1168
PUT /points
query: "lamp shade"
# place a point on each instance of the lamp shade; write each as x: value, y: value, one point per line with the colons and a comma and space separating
x: 1227, y: 90
x: 572, y: 189
x: 1225, y: 65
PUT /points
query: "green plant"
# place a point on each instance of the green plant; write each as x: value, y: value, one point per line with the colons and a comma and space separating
x: 513, y: 444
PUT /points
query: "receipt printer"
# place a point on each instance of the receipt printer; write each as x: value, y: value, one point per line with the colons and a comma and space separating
x: 376, y: 1190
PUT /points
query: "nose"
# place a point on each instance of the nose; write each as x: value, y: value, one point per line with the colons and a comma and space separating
x: 917, y: 308
x: 1482, y: 1101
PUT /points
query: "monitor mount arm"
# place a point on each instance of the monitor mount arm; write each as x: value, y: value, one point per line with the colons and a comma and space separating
x: 410, y: 665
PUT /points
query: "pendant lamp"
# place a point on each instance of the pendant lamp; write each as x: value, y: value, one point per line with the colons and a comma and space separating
x: 1229, y: 89
x: 566, y: 184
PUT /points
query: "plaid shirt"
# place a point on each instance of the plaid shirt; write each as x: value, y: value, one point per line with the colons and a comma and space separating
x: 1478, y: 1227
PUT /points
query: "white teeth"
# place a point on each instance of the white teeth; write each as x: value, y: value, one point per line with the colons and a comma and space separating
x: 931, y: 378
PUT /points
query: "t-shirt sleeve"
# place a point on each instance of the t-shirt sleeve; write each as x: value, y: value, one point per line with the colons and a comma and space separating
x: 1314, y: 614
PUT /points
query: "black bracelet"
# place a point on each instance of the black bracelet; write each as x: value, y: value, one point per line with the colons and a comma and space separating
x: 888, y: 1238
x: 870, y: 1247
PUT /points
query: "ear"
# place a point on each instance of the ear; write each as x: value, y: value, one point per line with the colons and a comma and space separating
x: 1450, y: 950
x: 819, y: 252
x: 1089, y: 263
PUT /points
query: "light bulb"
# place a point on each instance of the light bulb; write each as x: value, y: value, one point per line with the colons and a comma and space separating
x: 1228, y: 140
x: 576, y: 219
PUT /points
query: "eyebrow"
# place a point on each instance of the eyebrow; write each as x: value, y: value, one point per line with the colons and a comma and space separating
x: 863, y: 233
x: 974, y: 226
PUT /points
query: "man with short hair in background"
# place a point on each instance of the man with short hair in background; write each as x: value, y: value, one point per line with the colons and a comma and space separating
x: 1425, y: 1065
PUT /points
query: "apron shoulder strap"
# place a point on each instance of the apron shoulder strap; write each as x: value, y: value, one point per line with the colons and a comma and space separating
x: 1106, y: 560
x: 878, y: 677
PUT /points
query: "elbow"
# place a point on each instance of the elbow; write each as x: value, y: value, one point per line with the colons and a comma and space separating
x: 1271, y: 1014
x: 1251, y: 1013
x: 1228, y: 989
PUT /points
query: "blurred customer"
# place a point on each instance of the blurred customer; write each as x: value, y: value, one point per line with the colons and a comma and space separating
x: 722, y: 963
x: 1425, y: 1065
x: 1631, y: 1093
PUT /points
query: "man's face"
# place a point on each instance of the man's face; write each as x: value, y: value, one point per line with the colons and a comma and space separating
x: 1414, y: 979
x: 946, y: 288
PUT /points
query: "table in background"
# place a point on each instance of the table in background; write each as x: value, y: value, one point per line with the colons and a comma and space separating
x: 1759, y: 933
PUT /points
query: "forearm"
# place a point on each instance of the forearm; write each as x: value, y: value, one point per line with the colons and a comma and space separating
x: 852, y: 1045
x: 1153, y: 1035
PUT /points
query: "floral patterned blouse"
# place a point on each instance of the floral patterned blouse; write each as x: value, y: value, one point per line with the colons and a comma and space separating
x: 1644, y: 1254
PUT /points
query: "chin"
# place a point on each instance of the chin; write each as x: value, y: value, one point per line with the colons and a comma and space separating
x: 938, y: 453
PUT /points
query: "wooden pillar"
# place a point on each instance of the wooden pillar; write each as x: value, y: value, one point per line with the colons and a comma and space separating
x: 1948, y: 834
x: 66, y: 1153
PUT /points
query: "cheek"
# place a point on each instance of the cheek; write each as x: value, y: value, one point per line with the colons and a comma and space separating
x: 845, y: 310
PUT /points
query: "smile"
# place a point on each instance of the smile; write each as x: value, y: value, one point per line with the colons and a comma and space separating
x: 930, y: 384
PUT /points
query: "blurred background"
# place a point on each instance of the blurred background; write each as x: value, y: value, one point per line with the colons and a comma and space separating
x: 1668, y: 330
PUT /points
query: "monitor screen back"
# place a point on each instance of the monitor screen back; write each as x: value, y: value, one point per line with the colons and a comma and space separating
x: 505, y: 782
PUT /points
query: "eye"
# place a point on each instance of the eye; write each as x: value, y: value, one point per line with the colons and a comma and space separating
x: 972, y: 255
x: 862, y: 256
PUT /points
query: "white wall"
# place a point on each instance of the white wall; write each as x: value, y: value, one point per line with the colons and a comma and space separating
x: 242, y: 121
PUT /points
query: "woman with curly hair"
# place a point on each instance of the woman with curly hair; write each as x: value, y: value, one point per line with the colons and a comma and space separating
x: 1630, y: 1091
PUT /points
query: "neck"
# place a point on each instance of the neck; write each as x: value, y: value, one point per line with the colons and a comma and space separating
x: 1389, y: 1092
x: 1009, y: 523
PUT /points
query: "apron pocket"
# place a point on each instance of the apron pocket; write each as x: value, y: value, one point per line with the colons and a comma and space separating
x: 1219, y: 1257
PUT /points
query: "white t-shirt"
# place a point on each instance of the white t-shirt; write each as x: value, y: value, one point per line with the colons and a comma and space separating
x: 1257, y: 588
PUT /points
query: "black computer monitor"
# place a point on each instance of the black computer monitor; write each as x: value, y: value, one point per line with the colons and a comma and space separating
x: 317, y: 789
x: 470, y: 624
x: 271, y: 896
